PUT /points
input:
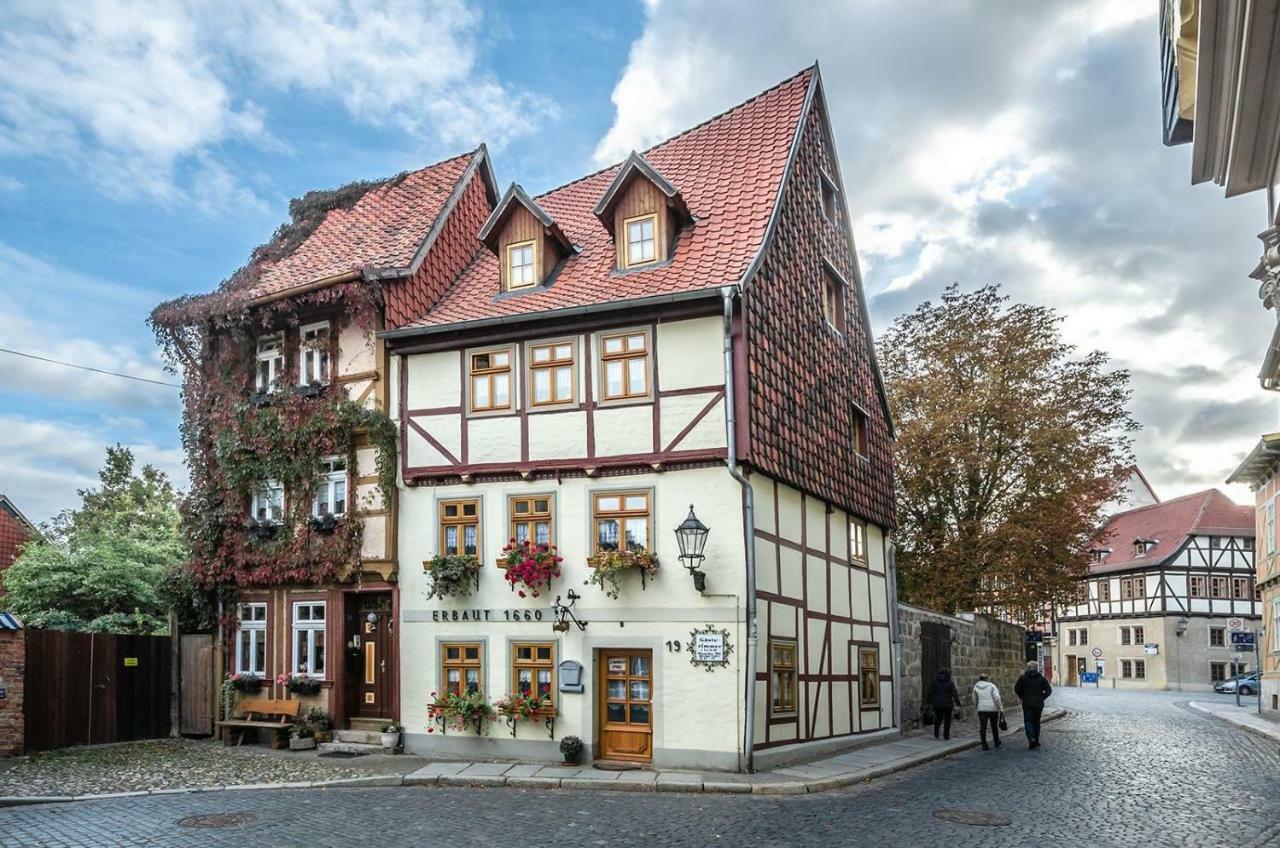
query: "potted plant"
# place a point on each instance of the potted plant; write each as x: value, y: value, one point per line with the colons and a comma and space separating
x: 518, y: 707
x: 319, y: 719
x: 452, y: 574
x: 391, y: 735
x: 324, y: 523
x: 532, y: 565
x: 459, y: 710
x: 246, y: 682
x: 571, y: 749
x: 302, y: 737
x: 607, y: 566
x: 298, y: 684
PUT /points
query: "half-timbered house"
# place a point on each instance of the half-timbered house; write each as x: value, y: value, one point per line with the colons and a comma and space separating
x: 687, y: 327
x: 1155, y: 610
x: 1261, y: 471
x: 293, y: 335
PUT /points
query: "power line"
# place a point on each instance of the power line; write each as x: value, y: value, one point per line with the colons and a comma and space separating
x: 87, y: 368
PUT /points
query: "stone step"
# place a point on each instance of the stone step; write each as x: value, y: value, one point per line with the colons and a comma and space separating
x: 359, y: 737
x: 373, y: 724
x: 351, y: 747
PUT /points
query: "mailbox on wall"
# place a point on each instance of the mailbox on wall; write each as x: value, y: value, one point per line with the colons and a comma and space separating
x: 571, y: 677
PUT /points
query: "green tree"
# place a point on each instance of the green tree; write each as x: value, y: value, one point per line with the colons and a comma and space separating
x: 104, y: 566
x: 1008, y: 446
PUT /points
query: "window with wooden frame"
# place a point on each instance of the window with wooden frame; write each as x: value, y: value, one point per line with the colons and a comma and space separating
x: 1240, y: 588
x: 860, y: 438
x: 313, y: 354
x: 1197, y: 587
x: 833, y: 296
x: 857, y: 541
x: 783, y: 677
x: 1084, y: 636
x: 460, y: 527
x: 1104, y: 590
x: 1139, y: 635
x: 308, y: 638
x: 1139, y: 669
x: 624, y: 366
x: 533, y: 671
x: 829, y: 198
x: 461, y: 668
x: 1217, y: 672
x: 521, y: 270
x: 551, y: 374
x: 270, y: 363
x: 1217, y: 587
x: 490, y: 380
x: 531, y: 519
x: 251, y: 639
x: 869, y: 676
x: 642, y: 240
x: 1217, y: 637
x: 1269, y: 526
x: 622, y: 520
x: 1071, y: 636
x: 1126, y: 669
x: 1126, y: 637
x: 1239, y: 668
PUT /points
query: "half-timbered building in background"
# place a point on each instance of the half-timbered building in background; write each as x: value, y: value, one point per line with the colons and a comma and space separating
x: 1156, y: 608
x: 685, y: 328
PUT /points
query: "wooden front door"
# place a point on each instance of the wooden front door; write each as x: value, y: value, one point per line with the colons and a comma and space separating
x: 372, y: 663
x: 626, y: 705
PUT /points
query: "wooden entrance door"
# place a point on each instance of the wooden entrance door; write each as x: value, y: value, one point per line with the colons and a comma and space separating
x: 626, y: 705
x: 373, y: 664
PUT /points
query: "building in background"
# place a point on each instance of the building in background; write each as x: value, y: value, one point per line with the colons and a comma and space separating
x: 686, y: 327
x: 15, y: 531
x: 1137, y: 492
x: 1261, y: 471
x: 1156, y: 609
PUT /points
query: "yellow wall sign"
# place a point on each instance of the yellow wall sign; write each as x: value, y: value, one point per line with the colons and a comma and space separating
x: 130, y: 662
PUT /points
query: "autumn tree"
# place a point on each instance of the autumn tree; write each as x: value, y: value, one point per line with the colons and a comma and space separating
x: 1009, y: 444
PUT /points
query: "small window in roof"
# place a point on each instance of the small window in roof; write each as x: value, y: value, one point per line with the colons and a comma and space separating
x: 642, y: 240
x: 830, y: 197
x: 520, y: 273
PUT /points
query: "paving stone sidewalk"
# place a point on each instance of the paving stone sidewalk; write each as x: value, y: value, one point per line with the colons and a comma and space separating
x: 1245, y: 716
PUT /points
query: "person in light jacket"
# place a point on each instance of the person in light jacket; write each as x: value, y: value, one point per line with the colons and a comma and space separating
x: 1032, y: 689
x: 942, y: 697
x: 987, y: 696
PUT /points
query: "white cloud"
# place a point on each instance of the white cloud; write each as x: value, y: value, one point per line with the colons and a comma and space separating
x: 43, y: 463
x: 138, y: 96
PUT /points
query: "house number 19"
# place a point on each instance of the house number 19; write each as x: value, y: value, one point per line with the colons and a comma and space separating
x: 673, y: 647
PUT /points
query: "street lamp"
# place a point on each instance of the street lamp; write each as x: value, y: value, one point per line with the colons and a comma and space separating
x: 691, y: 535
x: 1182, y: 625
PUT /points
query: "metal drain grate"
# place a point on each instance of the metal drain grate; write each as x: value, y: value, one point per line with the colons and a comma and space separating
x: 342, y: 755
x: 218, y: 820
x: 974, y: 818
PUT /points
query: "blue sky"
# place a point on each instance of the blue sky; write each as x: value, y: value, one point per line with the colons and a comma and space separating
x: 145, y: 148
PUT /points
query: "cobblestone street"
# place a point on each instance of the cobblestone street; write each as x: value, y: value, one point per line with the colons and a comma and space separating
x: 1123, y: 769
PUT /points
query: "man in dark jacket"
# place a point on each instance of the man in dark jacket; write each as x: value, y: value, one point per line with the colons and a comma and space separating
x: 943, y: 695
x: 1032, y: 689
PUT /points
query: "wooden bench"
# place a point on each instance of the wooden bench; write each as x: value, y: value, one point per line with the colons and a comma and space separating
x: 272, y: 717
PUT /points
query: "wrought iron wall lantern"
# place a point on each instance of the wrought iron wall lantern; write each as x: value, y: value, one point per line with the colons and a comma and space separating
x: 564, y: 614
x: 691, y: 535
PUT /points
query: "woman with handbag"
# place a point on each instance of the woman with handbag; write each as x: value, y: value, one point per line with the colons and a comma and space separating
x: 990, y: 710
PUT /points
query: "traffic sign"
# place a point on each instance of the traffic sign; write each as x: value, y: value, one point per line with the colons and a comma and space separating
x: 1235, y: 624
x: 1242, y: 640
x: 1089, y: 677
x: 1097, y: 652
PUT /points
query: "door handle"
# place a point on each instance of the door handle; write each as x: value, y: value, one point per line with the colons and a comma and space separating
x: 382, y: 666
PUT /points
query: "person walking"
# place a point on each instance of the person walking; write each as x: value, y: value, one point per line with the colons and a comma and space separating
x: 942, y: 697
x: 1032, y: 689
x: 990, y: 710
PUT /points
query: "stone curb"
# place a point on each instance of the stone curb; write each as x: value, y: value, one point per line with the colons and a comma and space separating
x: 1269, y: 735
x: 673, y: 784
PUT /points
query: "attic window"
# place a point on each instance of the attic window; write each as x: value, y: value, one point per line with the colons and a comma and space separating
x: 1141, y: 546
x: 860, y: 432
x: 642, y: 240
x: 1100, y: 554
x: 830, y: 197
x: 520, y: 272
x: 833, y: 301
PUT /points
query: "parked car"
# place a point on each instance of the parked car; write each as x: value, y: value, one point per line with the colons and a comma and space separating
x: 1248, y: 684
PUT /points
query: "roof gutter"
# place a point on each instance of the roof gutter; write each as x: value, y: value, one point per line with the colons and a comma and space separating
x: 552, y: 314
x: 348, y: 277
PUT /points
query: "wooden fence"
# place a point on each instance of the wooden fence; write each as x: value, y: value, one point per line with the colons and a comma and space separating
x: 90, y: 688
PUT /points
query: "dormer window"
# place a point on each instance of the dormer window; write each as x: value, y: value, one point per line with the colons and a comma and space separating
x: 520, y: 273
x: 1141, y: 546
x: 642, y: 244
x: 833, y: 309
x: 270, y: 364
x: 313, y: 354
x: 830, y: 198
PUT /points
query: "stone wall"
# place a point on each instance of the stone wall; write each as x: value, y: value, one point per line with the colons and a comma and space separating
x: 979, y: 644
x: 13, y: 649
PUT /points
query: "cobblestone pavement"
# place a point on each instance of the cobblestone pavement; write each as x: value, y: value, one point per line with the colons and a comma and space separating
x: 1124, y: 769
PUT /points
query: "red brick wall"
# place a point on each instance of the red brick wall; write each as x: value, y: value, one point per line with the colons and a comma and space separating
x: 454, y: 247
x: 802, y: 375
x: 13, y: 534
x: 12, y: 661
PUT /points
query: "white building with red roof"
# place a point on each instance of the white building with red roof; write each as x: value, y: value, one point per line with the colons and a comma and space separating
x: 1167, y: 585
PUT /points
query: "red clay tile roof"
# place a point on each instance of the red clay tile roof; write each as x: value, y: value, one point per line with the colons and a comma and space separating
x: 382, y: 230
x: 15, y: 531
x: 728, y: 169
x: 1209, y: 513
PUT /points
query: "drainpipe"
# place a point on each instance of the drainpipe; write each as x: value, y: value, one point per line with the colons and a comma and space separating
x: 748, y: 529
x: 895, y: 637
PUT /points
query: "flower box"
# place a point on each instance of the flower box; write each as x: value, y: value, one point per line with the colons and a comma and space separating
x: 530, y: 567
x: 452, y: 575
x: 607, y: 567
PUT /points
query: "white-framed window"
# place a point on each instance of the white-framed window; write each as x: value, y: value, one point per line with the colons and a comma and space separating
x: 520, y: 273
x: 251, y: 639
x: 642, y: 239
x: 331, y: 493
x: 858, y: 541
x: 313, y: 354
x: 267, y: 504
x: 308, y: 638
x: 270, y: 362
x: 1270, y: 528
